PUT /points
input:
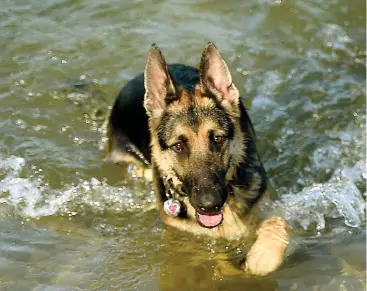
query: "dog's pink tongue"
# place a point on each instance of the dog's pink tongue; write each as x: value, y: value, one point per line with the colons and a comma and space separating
x: 210, y: 220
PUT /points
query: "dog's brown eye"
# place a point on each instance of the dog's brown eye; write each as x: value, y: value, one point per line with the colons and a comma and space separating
x: 219, y: 139
x: 178, y: 147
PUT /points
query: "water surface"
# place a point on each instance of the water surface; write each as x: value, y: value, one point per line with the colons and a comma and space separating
x: 68, y: 221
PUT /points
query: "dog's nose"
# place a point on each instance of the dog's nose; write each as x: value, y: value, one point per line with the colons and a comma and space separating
x: 211, y: 208
x: 209, y: 201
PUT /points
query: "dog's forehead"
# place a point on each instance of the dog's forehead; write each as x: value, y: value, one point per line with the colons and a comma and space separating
x: 194, y: 106
x: 187, y: 98
x: 196, y: 113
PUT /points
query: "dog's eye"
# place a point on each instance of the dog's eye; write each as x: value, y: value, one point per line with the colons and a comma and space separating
x: 178, y: 147
x: 219, y: 139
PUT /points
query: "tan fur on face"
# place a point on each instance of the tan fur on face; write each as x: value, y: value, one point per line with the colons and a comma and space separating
x: 166, y: 160
x: 187, y: 99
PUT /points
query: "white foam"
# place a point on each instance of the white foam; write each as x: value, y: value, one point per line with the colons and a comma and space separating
x: 338, y: 198
x: 32, y: 197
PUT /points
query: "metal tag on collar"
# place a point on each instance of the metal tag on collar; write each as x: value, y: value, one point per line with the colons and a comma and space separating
x: 172, y: 207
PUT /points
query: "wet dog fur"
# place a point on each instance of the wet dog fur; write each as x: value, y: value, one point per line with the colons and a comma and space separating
x: 188, y: 131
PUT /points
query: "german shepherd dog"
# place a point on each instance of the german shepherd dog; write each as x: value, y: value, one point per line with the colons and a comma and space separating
x: 191, y: 130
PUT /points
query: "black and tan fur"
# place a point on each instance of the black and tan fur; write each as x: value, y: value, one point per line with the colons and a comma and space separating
x: 191, y: 130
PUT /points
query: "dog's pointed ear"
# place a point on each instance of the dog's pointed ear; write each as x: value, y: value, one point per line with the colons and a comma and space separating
x: 159, y: 88
x: 216, y: 78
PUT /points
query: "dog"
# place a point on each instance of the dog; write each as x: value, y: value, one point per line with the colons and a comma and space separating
x: 188, y: 131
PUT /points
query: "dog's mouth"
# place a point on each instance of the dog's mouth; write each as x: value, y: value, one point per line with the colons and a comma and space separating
x: 209, y: 220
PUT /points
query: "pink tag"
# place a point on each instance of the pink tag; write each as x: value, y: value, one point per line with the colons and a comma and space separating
x: 172, y: 207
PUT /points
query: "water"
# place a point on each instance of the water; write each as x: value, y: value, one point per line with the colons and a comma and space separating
x: 68, y: 221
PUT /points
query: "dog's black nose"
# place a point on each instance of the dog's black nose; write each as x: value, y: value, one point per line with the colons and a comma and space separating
x: 209, y: 200
x: 210, y: 209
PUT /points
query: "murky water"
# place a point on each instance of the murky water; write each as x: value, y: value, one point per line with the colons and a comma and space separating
x: 70, y: 222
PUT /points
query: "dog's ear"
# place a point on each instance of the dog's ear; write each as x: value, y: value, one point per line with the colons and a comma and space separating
x: 159, y: 88
x: 216, y: 78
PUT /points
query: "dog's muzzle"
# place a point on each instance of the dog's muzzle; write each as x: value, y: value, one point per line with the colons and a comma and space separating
x: 207, y: 200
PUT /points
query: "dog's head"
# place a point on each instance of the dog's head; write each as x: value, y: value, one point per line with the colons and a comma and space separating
x: 195, y: 135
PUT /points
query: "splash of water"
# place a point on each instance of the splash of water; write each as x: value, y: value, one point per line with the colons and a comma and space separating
x: 338, y: 198
x: 34, y: 198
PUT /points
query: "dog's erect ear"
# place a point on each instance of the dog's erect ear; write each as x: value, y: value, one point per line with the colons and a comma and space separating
x: 159, y: 88
x: 216, y: 78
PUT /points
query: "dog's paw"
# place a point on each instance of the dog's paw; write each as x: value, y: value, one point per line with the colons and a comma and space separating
x: 267, y: 253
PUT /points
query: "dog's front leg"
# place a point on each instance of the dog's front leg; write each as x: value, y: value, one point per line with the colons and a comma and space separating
x: 267, y: 253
